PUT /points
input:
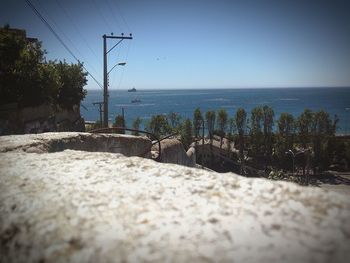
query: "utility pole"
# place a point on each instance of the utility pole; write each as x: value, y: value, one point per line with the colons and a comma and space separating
x: 100, y: 104
x: 105, y: 73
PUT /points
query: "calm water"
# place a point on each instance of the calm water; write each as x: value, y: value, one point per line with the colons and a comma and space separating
x: 292, y: 100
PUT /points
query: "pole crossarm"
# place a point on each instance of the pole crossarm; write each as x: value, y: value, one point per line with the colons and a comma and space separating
x: 115, y: 45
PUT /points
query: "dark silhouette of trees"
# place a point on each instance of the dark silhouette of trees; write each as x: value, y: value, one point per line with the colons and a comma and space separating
x: 174, y: 120
x: 268, y: 115
x: 28, y: 80
x: 73, y: 79
x: 222, y: 124
x: 136, y: 126
x: 197, y: 122
x: 241, y: 122
x: 256, y: 134
x: 210, y: 118
x: 284, y: 138
x: 304, y: 127
x: 119, y: 122
x: 186, y: 133
x: 159, y: 126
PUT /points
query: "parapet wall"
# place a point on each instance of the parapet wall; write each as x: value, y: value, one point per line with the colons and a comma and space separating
x: 54, y: 142
x: 78, y: 206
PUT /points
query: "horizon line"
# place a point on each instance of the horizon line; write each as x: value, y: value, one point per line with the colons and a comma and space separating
x: 227, y: 88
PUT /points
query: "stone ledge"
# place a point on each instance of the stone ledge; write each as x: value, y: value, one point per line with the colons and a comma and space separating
x: 59, y: 141
x: 75, y: 206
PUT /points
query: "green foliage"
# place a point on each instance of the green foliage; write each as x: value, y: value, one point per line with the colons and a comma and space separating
x: 284, y: 138
x: 210, y: 118
x: 28, y: 80
x: 286, y: 124
x: 304, y: 127
x: 174, y: 120
x: 197, y: 122
x: 159, y: 126
x: 256, y: 134
x: 119, y: 122
x: 222, y: 121
x: 136, y: 126
x: 186, y: 133
x: 241, y: 122
x: 73, y: 79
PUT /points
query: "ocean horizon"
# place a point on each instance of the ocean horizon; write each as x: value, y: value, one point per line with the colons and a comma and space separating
x: 334, y: 100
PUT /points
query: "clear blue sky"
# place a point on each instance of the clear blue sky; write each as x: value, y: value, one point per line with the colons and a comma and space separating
x: 198, y: 44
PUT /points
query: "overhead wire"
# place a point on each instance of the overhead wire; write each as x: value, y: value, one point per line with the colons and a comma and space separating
x: 76, y: 29
x: 66, y: 37
x: 126, y: 59
x: 40, y: 16
x: 121, y: 14
x: 113, y: 15
x: 102, y: 16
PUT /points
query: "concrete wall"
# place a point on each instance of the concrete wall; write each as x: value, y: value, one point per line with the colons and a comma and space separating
x: 78, y: 206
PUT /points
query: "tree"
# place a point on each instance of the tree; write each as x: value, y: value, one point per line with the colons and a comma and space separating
x: 256, y: 134
x: 241, y: 122
x: 268, y: 115
x: 210, y: 118
x: 304, y: 127
x: 186, y: 133
x: 285, y: 137
x: 28, y: 80
x: 119, y: 122
x: 322, y: 132
x: 222, y: 124
x: 73, y: 79
x: 136, y: 126
x: 174, y: 120
x: 158, y: 125
x: 197, y: 122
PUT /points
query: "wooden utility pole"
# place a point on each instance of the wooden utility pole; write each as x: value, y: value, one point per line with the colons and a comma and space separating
x: 105, y: 73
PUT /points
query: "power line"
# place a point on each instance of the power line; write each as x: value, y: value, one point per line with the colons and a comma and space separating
x: 66, y: 37
x: 121, y: 14
x: 101, y: 15
x: 59, y: 39
x: 76, y: 28
x: 113, y: 15
x: 126, y: 58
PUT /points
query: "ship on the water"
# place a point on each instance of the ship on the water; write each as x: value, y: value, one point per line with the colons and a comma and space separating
x: 132, y: 90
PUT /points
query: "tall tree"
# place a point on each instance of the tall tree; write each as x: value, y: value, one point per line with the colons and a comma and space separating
x: 119, y: 122
x: 158, y: 125
x: 136, y: 126
x: 322, y: 132
x: 285, y: 137
x: 197, y: 122
x: 186, y: 133
x: 256, y: 134
x: 210, y: 118
x: 241, y: 122
x: 28, y: 80
x: 304, y: 127
x: 222, y: 124
x: 73, y: 79
x: 174, y: 120
x: 268, y: 114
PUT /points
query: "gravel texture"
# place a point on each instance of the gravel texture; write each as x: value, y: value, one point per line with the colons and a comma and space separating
x: 76, y: 206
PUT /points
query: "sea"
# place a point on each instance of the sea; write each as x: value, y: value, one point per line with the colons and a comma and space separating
x: 336, y: 101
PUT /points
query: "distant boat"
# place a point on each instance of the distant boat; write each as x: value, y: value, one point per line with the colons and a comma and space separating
x: 132, y: 90
x: 136, y: 101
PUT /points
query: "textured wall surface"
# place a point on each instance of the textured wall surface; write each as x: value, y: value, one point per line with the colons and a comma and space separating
x: 59, y: 141
x: 172, y: 151
x: 75, y: 206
